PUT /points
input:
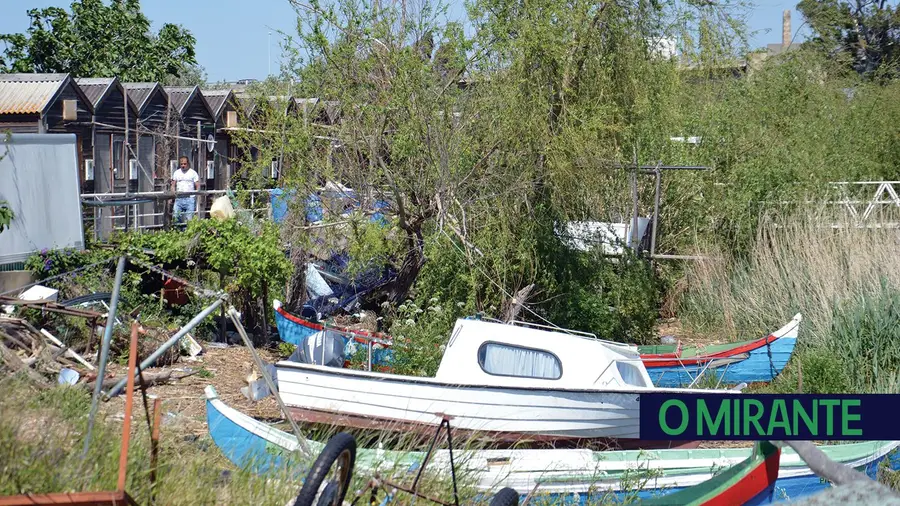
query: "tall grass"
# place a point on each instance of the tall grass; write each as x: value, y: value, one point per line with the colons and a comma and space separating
x: 846, y: 283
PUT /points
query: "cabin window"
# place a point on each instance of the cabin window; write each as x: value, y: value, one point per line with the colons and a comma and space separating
x: 630, y: 374
x: 89, y: 170
x: 70, y: 110
x: 132, y: 169
x: 118, y: 150
x: 508, y: 360
x: 210, y: 169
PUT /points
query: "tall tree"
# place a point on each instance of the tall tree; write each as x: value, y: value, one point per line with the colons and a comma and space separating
x: 96, y: 39
x: 865, y: 34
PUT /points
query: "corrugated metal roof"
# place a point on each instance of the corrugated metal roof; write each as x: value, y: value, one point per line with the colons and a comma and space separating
x: 179, y: 95
x: 139, y: 93
x: 95, y: 88
x: 217, y: 100
x: 28, y: 93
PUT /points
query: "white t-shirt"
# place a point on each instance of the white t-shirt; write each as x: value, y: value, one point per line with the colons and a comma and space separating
x: 184, y: 180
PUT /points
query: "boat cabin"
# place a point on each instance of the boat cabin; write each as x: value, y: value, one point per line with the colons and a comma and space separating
x: 486, y: 353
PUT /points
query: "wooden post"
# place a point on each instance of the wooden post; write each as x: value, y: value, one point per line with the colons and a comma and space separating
x: 129, y: 402
x: 154, y: 447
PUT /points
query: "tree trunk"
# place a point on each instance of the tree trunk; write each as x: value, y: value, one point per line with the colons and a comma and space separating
x: 409, y: 270
x: 295, y: 292
x: 515, y: 304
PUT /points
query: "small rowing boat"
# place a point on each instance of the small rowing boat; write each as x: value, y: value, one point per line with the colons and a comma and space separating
x: 560, y: 473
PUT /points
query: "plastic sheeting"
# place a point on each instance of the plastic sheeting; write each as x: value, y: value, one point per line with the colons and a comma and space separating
x: 322, y: 348
x: 40, y: 183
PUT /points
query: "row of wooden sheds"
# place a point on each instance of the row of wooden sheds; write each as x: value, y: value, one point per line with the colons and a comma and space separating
x: 162, y: 123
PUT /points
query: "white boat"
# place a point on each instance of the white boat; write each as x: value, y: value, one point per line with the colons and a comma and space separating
x: 503, y: 381
x: 258, y: 447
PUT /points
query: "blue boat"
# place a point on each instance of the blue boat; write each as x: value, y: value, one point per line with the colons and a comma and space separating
x: 562, y: 476
x: 758, y: 360
x: 338, y: 342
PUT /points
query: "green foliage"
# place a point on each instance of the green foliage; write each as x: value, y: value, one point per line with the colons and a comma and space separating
x: 420, y: 336
x: 96, y: 39
x: 864, y: 36
x: 615, y: 299
x: 251, y: 260
x: 6, y: 215
x: 864, y: 334
x: 286, y: 349
x: 48, y: 263
x: 844, y: 282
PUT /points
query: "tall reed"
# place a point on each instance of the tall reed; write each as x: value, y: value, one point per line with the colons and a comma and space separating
x: 844, y: 280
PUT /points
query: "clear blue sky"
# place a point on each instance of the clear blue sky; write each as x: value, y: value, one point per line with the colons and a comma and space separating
x: 233, y: 35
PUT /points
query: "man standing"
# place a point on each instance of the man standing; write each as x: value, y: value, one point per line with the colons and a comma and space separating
x: 185, y: 179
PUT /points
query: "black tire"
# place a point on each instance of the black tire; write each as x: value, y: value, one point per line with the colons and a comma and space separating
x: 91, y: 297
x: 505, y: 497
x: 340, y: 450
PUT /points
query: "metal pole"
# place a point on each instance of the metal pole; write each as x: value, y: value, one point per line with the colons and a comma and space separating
x: 655, y: 213
x: 149, y: 361
x: 301, y: 440
x: 634, y: 211
x: 104, y: 352
x: 369, y: 353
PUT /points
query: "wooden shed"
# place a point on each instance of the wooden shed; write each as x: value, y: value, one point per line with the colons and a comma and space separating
x: 225, y: 110
x: 117, y: 167
x: 195, y: 123
x: 46, y: 103
x: 155, y: 147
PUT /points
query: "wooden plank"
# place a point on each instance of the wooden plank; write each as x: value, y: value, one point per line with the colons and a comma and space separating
x: 71, y: 498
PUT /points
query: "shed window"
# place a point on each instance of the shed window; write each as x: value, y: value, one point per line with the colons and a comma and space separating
x: 89, y: 170
x: 507, y: 360
x: 70, y: 110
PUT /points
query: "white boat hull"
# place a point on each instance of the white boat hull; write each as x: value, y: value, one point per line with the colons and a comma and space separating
x: 320, y: 394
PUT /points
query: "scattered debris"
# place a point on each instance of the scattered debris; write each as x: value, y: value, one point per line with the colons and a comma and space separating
x: 68, y: 351
x: 190, y: 346
x: 39, y: 293
x: 68, y: 376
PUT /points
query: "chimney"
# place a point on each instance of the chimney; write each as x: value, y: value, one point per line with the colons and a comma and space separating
x: 786, y: 29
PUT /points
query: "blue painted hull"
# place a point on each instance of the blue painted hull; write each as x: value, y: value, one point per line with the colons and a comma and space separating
x: 762, y: 364
x: 297, y: 334
x: 252, y: 452
x: 245, y: 449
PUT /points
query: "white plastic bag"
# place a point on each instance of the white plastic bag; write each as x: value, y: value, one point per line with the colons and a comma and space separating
x: 221, y: 209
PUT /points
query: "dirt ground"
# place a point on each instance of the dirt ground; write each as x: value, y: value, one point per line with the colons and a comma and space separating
x: 184, y: 400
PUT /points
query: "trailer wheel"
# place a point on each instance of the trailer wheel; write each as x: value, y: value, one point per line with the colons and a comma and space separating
x: 338, y: 456
x: 505, y: 497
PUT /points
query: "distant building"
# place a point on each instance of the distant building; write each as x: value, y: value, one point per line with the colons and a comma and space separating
x: 787, y: 43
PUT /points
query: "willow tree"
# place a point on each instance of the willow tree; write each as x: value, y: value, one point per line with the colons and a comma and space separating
x: 478, y: 143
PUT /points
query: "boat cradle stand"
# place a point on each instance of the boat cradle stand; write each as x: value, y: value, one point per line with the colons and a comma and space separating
x: 377, y: 482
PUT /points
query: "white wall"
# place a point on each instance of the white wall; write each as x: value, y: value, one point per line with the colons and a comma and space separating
x: 39, y: 180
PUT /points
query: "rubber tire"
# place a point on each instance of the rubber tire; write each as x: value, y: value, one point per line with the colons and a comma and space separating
x: 92, y: 297
x: 505, y: 497
x: 337, y: 445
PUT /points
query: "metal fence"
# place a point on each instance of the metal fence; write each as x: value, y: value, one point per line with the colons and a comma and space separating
x: 105, y: 213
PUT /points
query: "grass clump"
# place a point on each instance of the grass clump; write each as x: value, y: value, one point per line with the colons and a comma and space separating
x: 846, y: 283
